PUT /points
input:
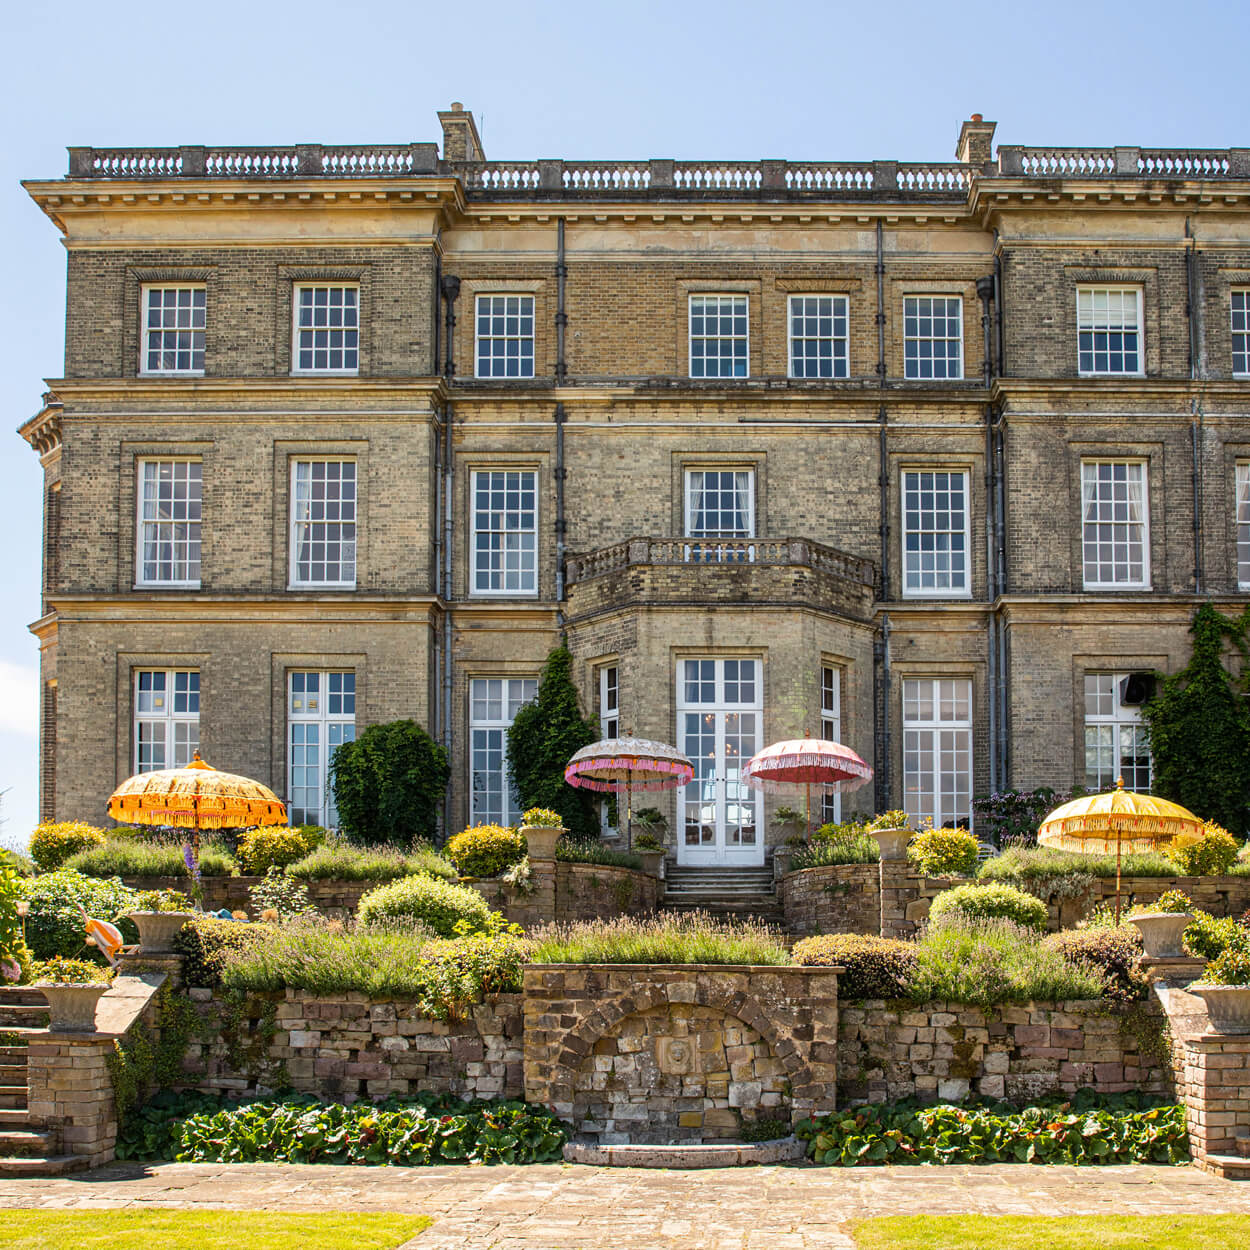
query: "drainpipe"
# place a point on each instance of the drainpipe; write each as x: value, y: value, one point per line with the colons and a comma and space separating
x: 451, y: 292
x: 985, y: 290
x: 998, y: 308
x: 1192, y: 310
x: 880, y: 302
x: 562, y: 320
x: 883, y: 486
x: 560, y: 419
x: 449, y: 473
x: 1195, y: 442
x: 882, y: 647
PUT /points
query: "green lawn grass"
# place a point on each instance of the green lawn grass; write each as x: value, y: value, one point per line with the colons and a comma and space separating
x: 205, y: 1230
x: 1068, y: 1232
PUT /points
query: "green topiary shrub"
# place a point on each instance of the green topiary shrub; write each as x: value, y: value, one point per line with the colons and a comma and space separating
x: 1208, y: 937
x: 485, y: 850
x: 274, y: 846
x: 54, y: 924
x: 53, y: 842
x: 207, y: 941
x: 944, y: 853
x: 990, y: 902
x: 1211, y: 856
x: 876, y: 967
x: 1113, y: 953
x: 438, y: 905
x: 389, y: 784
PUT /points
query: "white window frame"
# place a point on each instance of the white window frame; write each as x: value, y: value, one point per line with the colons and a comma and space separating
x: 145, y: 330
x: 514, y: 694
x: 839, y: 310
x: 745, y: 338
x: 296, y: 328
x: 910, y: 590
x: 1118, y: 719
x: 143, y: 523
x: 1144, y: 468
x: 932, y: 737
x: 523, y: 358
x: 529, y: 592
x: 831, y: 731
x: 918, y: 376
x: 1093, y: 289
x: 298, y: 524
x: 334, y: 727
x: 609, y: 682
x: 1241, y: 523
x: 165, y: 716
x: 689, y: 509
x: 1241, y: 294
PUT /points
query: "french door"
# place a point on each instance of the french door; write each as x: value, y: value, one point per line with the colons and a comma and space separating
x: 719, y: 715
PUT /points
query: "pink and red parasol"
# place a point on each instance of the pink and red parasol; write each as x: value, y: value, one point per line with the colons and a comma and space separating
x: 807, y: 762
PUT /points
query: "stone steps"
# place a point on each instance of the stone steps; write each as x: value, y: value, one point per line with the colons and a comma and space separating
x: 24, y: 1150
x: 25, y: 1143
x: 47, y: 1165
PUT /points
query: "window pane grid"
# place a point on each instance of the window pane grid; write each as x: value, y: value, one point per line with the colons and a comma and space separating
x: 609, y: 727
x: 937, y: 751
x: 1114, y: 523
x: 831, y: 731
x: 323, y: 522
x: 818, y: 336
x: 1241, y: 332
x: 1107, y: 330
x: 933, y: 336
x: 1243, y: 525
x: 321, y: 716
x: 170, y: 502
x: 327, y: 329
x: 719, y: 336
x: 935, y: 532
x: 167, y: 718
x: 173, y: 329
x: 493, y: 705
x: 1116, y: 744
x: 505, y: 532
x: 505, y: 336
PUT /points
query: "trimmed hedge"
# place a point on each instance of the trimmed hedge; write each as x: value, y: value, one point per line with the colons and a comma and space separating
x: 876, y: 967
x: 53, y: 842
x: 438, y: 905
x: 1113, y: 953
x: 944, y: 853
x: 485, y: 850
x: 207, y: 942
x: 990, y: 902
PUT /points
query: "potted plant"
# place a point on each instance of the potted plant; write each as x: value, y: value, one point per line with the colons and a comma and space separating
x: 651, y: 851
x: 542, y: 828
x: 161, y: 915
x: 1162, y: 925
x: 72, y: 987
x: 891, y: 833
x: 1225, y: 989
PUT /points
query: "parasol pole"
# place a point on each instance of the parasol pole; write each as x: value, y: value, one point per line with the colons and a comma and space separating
x: 1119, y: 844
x: 807, y: 828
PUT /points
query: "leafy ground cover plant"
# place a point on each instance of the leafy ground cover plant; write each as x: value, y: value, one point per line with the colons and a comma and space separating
x: 1209, y: 936
x: 990, y: 962
x: 680, y: 938
x: 404, y: 1132
x: 54, y: 923
x: 485, y: 850
x: 281, y: 898
x: 582, y: 851
x: 61, y: 971
x: 990, y: 901
x: 944, y: 852
x: 337, y: 860
x: 1122, y: 1128
x: 206, y: 942
x: 436, y: 905
x: 53, y: 842
x: 1112, y: 953
x: 875, y: 967
x: 1230, y: 968
x: 129, y: 857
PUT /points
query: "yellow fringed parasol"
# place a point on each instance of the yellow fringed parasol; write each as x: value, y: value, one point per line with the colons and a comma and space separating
x: 1119, y: 818
x: 196, y: 797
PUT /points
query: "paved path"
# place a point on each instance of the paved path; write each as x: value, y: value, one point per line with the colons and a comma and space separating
x: 559, y: 1207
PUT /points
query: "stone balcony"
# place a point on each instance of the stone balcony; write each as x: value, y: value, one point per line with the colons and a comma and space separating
x: 678, y: 572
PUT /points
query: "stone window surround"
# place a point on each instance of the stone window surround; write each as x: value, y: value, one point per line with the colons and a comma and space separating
x: 1083, y: 663
x: 465, y: 331
x: 932, y: 290
x: 280, y: 664
x: 145, y: 289
x: 901, y: 460
x: 1151, y: 454
x: 291, y: 276
x: 1146, y: 280
x: 135, y: 279
x: 131, y: 452
x: 682, y: 462
x: 833, y: 338
x: 913, y: 465
x: 719, y: 337
x: 297, y: 329
x: 125, y: 665
x: 1121, y: 287
x: 293, y: 581
x: 285, y: 453
x: 531, y: 462
x: 1148, y: 566
x: 684, y: 288
x: 520, y: 338
x: 849, y: 286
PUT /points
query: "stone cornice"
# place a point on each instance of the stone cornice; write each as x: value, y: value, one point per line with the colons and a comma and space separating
x: 1103, y: 609
x: 43, y: 430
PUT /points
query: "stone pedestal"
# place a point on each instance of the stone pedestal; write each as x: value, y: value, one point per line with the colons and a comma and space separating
x: 1216, y: 1089
x: 1177, y: 970
x: 898, y: 890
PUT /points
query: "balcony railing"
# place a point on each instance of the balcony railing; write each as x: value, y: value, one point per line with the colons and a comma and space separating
x: 660, y: 179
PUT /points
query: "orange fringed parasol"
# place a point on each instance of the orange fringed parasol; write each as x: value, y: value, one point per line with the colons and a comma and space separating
x: 1117, y: 820
x: 198, y: 796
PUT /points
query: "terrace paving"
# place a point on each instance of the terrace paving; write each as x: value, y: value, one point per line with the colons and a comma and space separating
x: 562, y: 1207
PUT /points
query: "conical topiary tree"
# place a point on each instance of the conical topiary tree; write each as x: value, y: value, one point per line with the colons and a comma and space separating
x: 542, y: 738
x: 1199, y: 726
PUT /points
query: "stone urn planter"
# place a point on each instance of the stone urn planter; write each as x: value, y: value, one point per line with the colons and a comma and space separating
x: 541, y: 840
x: 893, y: 842
x: 1161, y: 933
x: 1228, y: 1006
x: 157, y: 929
x: 71, y: 1008
x: 652, y: 862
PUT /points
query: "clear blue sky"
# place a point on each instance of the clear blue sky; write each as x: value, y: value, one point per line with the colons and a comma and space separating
x: 681, y: 78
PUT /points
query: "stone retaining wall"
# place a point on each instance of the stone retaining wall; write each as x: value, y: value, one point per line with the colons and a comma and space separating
x: 347, y: 1047
x: 938, y: 1051
x: 839, y: 898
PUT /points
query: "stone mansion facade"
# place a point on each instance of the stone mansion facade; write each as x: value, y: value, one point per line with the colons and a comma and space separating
x: 936, y: 459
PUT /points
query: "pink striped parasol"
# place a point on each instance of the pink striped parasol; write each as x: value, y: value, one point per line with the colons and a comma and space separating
x: 807, y: 762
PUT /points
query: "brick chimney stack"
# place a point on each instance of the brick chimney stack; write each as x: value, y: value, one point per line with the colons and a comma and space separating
x: 460, y: 138
x: 976, y: 141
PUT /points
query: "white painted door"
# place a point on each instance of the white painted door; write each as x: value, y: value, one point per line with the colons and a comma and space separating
x: 719, y: 715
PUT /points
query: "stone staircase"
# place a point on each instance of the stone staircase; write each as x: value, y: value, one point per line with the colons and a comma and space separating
x: 24, y: 1150
x: 727, y: 893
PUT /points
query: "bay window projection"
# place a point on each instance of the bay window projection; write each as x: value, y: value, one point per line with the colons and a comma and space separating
x: 493, y: 705
x: 321, y: 716
x: 1116, y: 744
x: 167, y: 718
x: 719, y: 504
x: 937, y: 751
